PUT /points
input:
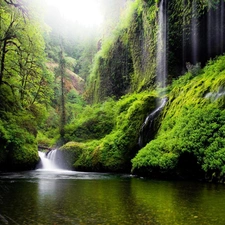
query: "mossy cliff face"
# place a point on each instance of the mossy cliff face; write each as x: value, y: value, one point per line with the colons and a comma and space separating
x: 127, y: 62
x: 191, y: 140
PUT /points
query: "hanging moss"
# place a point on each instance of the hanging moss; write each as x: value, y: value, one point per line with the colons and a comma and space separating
x: 126, y: 63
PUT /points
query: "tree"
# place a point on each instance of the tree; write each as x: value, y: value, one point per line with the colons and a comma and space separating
x: 62, y: 63
x: 22, y: 57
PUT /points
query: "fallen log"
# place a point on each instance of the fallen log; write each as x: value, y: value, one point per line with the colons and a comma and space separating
x: 43, y: 147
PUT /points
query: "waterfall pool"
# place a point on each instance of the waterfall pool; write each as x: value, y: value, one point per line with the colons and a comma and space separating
x: 69, y: 197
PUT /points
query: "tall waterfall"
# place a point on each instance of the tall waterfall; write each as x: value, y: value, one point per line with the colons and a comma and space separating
x: 148, y: 129
x: 215, y: 28
x: 194, y: 32
x: 48, y: 161
x: 162, y: 69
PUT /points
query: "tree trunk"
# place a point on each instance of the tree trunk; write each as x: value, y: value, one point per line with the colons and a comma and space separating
x: 63, y: 110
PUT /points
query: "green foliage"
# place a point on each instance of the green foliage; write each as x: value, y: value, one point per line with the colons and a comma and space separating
x: 25, y: 85
x: 18, y: 149
x: 114, y: 127
x: 193, y: 124
x: 92, y: 123
x: 70, y: 63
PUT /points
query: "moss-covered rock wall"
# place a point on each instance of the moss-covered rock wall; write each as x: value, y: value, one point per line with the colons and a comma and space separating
x: 127, y: 62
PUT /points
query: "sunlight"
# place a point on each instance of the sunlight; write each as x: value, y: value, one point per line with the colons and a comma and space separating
x: 85, y: 12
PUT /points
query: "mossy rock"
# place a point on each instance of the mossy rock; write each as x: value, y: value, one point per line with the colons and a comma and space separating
x: 69, y: 153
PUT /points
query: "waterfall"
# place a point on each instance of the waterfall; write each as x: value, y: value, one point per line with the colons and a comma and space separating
x: 162, y: 45
x: 48, y: 161
x: 209, y: 28
x: 222, y: 26
x: 194, y: 33
x: 215, y: 28
x: 147, y: 128
x: 184, y: 42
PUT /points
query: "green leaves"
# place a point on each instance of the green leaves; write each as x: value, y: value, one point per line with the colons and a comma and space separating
x: 22, y: 56
x: 25, y: 85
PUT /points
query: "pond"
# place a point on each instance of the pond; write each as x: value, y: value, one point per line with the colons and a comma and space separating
x: 65, y: 197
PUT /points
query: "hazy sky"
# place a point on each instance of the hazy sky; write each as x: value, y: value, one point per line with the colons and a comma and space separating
x: 85, y: 12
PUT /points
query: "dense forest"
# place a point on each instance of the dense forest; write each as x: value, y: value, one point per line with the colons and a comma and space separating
x: 146, y: 94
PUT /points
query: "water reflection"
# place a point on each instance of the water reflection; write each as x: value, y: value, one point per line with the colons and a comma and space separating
x: 40, y: 197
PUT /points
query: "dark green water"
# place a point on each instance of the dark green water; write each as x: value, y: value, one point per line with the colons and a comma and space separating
x: 61, y: 198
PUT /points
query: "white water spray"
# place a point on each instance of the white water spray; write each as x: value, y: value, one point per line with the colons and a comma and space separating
x: 148, y: 127
x: 48, y: 162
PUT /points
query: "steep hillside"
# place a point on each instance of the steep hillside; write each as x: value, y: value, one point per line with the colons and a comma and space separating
x: 72, y: 81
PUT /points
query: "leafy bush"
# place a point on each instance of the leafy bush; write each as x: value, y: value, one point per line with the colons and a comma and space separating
x: 92, y: 123
x: 18, y: 149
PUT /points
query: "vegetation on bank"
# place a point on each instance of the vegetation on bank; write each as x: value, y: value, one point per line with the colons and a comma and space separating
x: 191, y: 139
x: 109, y: 133
x: 25, y: 85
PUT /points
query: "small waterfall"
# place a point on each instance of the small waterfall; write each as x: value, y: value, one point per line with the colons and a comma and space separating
x: 209, y: 28
x: 213, y: 96
x: 147, y: 128
x: 162, y: 45
x: 48, y: 161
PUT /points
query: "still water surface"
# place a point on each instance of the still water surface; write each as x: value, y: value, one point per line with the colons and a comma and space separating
x: 65, y: 197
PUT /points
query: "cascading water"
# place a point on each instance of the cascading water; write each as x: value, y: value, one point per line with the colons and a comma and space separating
x: 48, y: 161
x: 184, y: 37
x: 222, y: 26
x: 162, y: 45
x: 147, y: 129
x: 194, y: 33
x: 215, y: 28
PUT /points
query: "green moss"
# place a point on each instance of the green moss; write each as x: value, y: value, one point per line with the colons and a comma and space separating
x: 126, y: 63
x: 193, y: 124
x: 93, y: 123
x: 114, y: 151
